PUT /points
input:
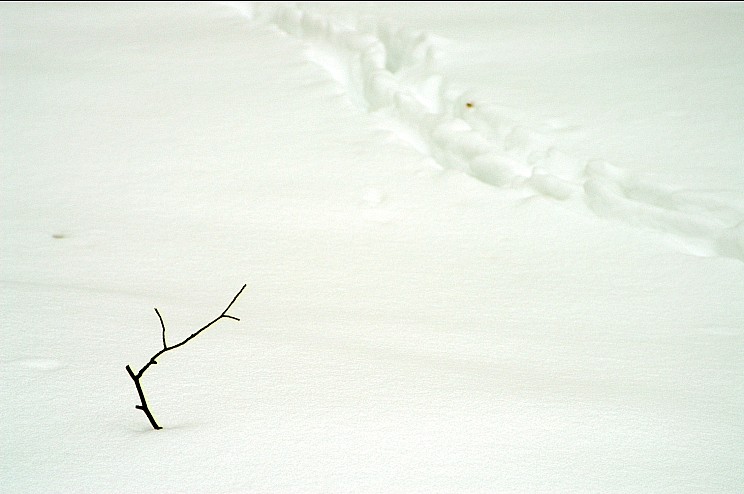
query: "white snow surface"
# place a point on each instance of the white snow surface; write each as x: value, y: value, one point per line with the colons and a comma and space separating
x: 489, y: 247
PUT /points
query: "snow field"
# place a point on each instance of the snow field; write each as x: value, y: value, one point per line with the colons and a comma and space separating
x: 406, y: 328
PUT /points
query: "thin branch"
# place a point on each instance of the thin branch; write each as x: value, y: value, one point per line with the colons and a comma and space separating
x: 141, y: 394
x: 153, y: 360
x: 162, y: 325
x: 233, y: 300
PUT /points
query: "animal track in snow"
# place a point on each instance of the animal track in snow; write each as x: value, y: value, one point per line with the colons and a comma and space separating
x: 391, y: 72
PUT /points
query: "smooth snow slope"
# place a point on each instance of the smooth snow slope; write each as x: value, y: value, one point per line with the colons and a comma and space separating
x: 433, y: 302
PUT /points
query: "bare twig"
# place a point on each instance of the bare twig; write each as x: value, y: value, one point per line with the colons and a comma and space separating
x: 162, y: 325
x: 153, y: 360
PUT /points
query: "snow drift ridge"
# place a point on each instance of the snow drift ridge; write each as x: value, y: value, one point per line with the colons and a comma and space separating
x: 391, y: 72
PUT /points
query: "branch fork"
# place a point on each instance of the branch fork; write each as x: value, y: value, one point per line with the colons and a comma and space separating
x: 136, y: 377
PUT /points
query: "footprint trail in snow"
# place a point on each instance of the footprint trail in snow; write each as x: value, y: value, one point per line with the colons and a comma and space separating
x: 391, y: 72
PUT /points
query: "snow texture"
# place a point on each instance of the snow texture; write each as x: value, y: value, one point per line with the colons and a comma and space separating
x: 488, y: 247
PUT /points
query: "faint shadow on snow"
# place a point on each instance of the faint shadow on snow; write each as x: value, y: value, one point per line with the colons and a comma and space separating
x: 391, y: 72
